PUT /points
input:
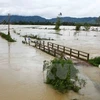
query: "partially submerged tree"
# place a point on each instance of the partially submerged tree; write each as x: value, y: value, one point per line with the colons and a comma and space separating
x: 98, y: 20
x: 62, y: 75
x: 78, y: 26
x: 58, y: 22
x: 86, y: 26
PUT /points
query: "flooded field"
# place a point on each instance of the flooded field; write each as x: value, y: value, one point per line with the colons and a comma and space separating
x: 21, y: 76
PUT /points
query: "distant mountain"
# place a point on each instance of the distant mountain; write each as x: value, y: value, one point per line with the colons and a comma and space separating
x: 15, y: 18
x: 76, y: 20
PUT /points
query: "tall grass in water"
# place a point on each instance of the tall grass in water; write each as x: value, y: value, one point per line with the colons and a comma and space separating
x: 7, y: 37
x: 95, y: 61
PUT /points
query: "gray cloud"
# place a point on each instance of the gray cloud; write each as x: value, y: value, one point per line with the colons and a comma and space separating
x: 51, y: 8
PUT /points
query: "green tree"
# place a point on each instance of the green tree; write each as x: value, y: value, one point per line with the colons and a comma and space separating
x: 78, y: 26
x: 58, y: 22
x: 86, y: 26
x: 98, y: 20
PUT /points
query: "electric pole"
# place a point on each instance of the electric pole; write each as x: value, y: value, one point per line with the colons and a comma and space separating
x: 8, y: 24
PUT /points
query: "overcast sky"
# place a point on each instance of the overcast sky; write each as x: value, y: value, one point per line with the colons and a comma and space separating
x: 51, y: 8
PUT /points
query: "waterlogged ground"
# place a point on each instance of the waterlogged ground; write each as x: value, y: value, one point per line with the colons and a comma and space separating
x: 85, y: 41
x: 21, y: 76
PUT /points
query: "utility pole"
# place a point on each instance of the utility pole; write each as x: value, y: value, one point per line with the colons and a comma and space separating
x: 8, y: 24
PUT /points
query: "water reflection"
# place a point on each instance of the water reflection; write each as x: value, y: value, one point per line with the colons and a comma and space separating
x: 69, y: 33
x: 76, y: 33
x: 9, y: 54
x: 57, y: 34
x: 57, y: 31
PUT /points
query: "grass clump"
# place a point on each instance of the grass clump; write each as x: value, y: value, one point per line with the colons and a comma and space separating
x: 95, y: 61
x: 78, y: 26
x: 62, y: 75
x: 7, y: 37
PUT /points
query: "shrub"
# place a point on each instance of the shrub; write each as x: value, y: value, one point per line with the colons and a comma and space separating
x: 78, y: 26
x: 95, y: 61
x: 62, y: 75
x: 7, y: 37
x: 86, y: 26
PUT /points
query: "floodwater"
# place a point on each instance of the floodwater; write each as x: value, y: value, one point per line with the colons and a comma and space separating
x: 21, y: 76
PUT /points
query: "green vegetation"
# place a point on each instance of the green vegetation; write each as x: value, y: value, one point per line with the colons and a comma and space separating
x: 98, y: 20
x: 58, y: 22
x: 95, y: 61
x: 78, y: 26
x: 57, y: 26
x: 62, y: 75
x: 32, y: 23
x: 7, y: 37
x: 50, y: 23
x: 86, y: 26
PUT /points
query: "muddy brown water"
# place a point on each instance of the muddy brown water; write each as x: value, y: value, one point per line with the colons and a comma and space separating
x: 21, y: 75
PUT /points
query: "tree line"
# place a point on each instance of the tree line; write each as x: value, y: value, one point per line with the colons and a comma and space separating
x: 58, y: 22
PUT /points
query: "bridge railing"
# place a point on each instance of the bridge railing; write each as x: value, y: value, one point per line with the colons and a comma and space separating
x: 56, y: 49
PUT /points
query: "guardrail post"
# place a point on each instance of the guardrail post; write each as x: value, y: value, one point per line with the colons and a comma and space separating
x: 52, y: 45
x: 35, y: 43
x: 43, y: 42
x: 78, y: 54
x: 70, y: 53
x: 44, y: 47
x: 48, y: 44
x: 87, y: 57
x: 62, y: 55
x: 63, y: 49
x: 39, y: 44
x: 49, y: 50
x: 57, y: 47
x: 54, y: 52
